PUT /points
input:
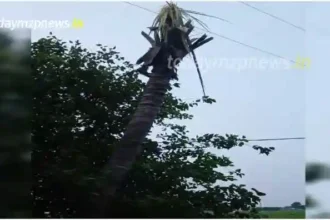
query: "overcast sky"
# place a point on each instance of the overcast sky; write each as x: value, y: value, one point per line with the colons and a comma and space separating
x: 258, y: 101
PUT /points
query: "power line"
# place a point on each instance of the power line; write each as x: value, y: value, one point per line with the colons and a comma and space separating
x: 138, y: 6
x: 278, y: 139
x: 273, y: 16
x: 202, y: 14
x: 227, y: 38
x: 251, y: 47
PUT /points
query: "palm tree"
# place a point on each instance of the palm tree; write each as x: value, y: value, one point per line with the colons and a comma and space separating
x: 171, y: 43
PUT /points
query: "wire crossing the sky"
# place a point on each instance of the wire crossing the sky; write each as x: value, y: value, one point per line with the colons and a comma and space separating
x: 226, y: 38
x: 278, y: 139
x: 251, y: 47
x: 273, y: 16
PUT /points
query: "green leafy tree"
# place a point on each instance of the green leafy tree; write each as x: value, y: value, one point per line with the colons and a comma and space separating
x: 297, y: 205
x: 82, y: 104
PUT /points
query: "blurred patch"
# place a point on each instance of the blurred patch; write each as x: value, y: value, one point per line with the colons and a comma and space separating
x: 317, y: 172
x: 15, y: 110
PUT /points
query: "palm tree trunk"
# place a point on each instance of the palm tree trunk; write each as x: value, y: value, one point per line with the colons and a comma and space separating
x: 138, y: 128
x: 130, y: 146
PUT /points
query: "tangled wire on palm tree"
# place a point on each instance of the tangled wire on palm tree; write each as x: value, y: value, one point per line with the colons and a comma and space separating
x: 171, y: 17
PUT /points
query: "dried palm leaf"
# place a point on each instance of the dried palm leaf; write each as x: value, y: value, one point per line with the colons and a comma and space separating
x: 171, y: 16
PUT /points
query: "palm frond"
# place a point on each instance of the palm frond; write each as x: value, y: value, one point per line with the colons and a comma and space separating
x: 169, y: 16
x: 173, y: 17
x: 178, y: 17
x: 201, y: 23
